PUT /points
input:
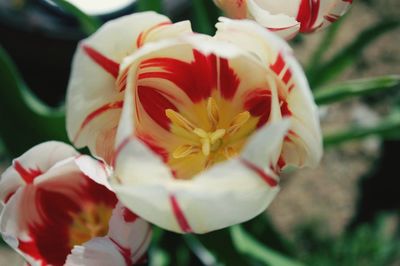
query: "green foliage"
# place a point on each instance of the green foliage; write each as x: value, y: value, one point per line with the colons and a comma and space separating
x: 146, y: 5
x: 254, y: 249
x: 88, y: 23
x: 25, y: 120
x: 348, y: 55
x: 355, y: 88
x: 367, y: 245
x: 205, y: 15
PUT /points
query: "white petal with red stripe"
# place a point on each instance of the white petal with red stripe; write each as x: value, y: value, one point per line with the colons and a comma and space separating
x: 303, y: 146
x: 59, y: 207
x: 288, y: 17
x: 95, y: 90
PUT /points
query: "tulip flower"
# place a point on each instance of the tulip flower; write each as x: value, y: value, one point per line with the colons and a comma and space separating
x: 289, y: 17
x: 205, y: 124
x: 55, y: 199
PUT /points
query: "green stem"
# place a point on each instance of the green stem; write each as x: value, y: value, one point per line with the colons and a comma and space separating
x: 146, y: 5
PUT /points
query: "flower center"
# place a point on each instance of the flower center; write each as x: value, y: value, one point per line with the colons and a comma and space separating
x: 214, y: 141
x: 91, y: 222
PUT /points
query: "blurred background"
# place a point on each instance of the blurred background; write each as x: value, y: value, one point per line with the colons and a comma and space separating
x: 345, y: 212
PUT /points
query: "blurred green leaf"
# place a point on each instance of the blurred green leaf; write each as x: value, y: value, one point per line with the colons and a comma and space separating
x: 205, y: 256
x: 220, y: 243
x: 368, y: 245
x: 389, y: 127
x: 326, y: 42
x: 146, y: 5
x: 264, y: 231
x: 354, y: 88
x: 88, y: 23
x: 25, y: 120
x: 205, y: 16
x: 349, y: 54
x: 251, y: 247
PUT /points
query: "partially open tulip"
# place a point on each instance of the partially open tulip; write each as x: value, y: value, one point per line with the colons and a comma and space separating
x: 127, y: 240
x: 287, y: 17
x: 54, y: 199
x: 207, y: 123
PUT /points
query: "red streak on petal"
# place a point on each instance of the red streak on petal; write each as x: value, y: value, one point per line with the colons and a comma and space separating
x: 288, y: 75
x: 28, y: 175
x: 104, y: 62
x: 229, y: 82
x: 142, y: 36
x: 89, y: 118
x: 196, y: 79
x: 258, y: 103
x: 268, y: 179
x: 179, y: 215
x: 119, y: 149
x: 129, y: 216
x: 285, y: 111
x: 281, y: 163
x: 125, y: 252
x: 30, y: 248
x: 155, y: 104
x: 308, y: 14
x: 279, y: 64
x: 8, y: 197
x: 152, y: 144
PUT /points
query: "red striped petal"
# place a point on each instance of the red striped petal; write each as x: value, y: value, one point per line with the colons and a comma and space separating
x: 104, y: 62
x: 99, y: 111
x: 272, y: 182
x: 179, y: 215
x: 28, y: 175
x: 155, y: 104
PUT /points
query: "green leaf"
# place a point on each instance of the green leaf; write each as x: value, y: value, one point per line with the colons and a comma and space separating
x: 264, y: 231
x: 205, y: 256
x: 146, y: 5
x: 349, y: 54
x: 326, y: 42
x: 221, y: 245
x: 389, y: 128
x: 88, y: 23
x: 201, y: 21
x: 251, y: 247
x: 26, y: 121
x: 354, y: 88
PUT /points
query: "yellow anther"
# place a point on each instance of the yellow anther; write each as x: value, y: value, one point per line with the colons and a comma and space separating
x: 238, y: 122
x: 205, y: 146
x: 200, y: 132
x: 216, y: 135
x: 230, y: 152
x: 179, y: 120
x: 185, y: 150
x: 213, y: 112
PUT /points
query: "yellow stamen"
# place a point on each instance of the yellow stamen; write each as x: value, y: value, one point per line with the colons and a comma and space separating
x: 200, y: 132
x: 179, y: 120
x: 205, y: 146
x: 185, y: 150
x: 238, y: 122
x: 213, y: 112
x: 216, y: 135
x: 230, y: 152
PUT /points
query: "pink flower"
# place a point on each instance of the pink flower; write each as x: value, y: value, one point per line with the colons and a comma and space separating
x: 55, y: 199
x: 287, y: 17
